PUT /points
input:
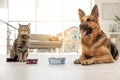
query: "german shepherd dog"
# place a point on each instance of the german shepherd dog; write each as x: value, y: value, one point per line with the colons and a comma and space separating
x: 96, y: 46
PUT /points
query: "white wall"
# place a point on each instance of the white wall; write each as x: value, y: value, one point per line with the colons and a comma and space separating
x: 105, y: 23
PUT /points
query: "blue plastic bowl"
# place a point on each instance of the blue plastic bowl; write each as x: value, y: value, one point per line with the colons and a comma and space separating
x: 53, y: 60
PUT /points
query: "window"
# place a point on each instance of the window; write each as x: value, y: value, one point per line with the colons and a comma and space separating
x: 44, y: 13
x: 3, y: 29
x: 21, y: 10
x: 47, y: 16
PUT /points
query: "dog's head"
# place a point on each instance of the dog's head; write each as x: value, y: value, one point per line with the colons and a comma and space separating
x: 89, y: 24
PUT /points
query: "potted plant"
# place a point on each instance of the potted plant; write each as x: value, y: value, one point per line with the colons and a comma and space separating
x: 117, y: 19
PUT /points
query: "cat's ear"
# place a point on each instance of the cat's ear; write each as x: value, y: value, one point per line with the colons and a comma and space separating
x: 29, y: 24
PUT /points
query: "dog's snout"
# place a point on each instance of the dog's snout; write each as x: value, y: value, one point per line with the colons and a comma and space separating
x: 83, y: 26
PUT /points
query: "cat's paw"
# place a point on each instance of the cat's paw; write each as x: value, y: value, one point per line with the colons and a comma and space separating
x: 20, y: 60
x: 24, y: 60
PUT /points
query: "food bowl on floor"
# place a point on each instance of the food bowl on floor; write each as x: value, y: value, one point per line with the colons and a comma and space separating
x: 31, y: 61
x: 54, y: 60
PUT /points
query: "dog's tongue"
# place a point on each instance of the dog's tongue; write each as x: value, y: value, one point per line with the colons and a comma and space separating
x: 83, y: 33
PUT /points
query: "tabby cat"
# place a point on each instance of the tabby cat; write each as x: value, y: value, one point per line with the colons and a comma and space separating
x: 20, y: 46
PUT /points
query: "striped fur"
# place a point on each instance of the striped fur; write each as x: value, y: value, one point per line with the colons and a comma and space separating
x: 20, y: 45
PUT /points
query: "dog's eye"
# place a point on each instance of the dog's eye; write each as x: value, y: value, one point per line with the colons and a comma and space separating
x: 88, y: 20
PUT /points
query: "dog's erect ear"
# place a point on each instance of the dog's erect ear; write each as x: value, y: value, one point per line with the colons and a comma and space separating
x: 81, y: 14
x: 95, y: 12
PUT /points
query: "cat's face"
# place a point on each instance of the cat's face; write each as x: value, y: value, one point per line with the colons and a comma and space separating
x: 24, y: 29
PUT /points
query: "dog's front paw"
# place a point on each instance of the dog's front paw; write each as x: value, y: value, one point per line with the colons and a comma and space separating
x: 77, y: 61
x: 86, y: 62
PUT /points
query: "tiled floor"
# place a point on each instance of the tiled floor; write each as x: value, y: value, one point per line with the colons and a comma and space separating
x: 69, y: 71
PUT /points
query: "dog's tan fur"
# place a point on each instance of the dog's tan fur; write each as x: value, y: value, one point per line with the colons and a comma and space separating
x: 95, y: 46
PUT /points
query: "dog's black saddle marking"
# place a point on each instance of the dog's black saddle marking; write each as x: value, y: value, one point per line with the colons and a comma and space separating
x: 113, y: 50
